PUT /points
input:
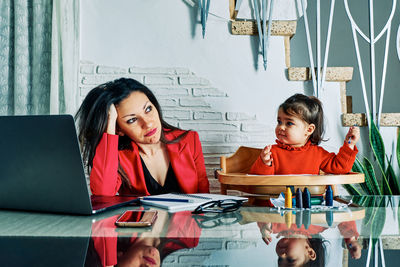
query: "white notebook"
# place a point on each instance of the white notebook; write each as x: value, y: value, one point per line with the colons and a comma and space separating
x: 195, y: 200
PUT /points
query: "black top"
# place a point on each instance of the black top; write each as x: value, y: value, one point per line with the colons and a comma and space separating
x: 154, y: 188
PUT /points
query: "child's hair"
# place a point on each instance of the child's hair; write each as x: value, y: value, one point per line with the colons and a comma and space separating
x: 317, y: 243
x: 309, y: 109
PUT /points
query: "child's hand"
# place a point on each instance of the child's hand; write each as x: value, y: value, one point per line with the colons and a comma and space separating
x: 354, y: 249
x: 352, y: 136
x: 266, y: 155
x: 266, y: 233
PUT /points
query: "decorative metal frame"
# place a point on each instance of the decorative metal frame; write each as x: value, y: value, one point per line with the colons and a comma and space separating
x: 318, y: 81
x: 372, y: 40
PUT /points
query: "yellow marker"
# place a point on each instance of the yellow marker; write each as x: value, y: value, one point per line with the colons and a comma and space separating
x: 288, y: 198
x: 288, y: 219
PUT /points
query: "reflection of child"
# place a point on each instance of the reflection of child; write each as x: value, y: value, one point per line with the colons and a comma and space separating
x: 299, y: 131
x: 306, y: 247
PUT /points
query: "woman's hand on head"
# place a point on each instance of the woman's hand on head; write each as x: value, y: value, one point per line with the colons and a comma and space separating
x: 112, y: 120
x: 266, y: 155
x: 352, y: 136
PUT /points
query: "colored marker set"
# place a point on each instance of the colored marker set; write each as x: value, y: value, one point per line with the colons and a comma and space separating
x: 303, y: 217
x: 303, y: 200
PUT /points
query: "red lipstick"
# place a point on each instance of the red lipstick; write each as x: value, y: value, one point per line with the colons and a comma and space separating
x: 149, y: 260
x: 150, y: 133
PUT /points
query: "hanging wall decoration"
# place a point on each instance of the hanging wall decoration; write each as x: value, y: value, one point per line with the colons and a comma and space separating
x: 262, y: 25
x: 204, y: 6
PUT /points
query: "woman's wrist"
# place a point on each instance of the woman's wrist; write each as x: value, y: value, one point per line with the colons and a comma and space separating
x: 111, y: 125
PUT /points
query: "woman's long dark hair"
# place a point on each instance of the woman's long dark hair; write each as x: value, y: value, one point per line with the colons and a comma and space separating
x: 92, y: 116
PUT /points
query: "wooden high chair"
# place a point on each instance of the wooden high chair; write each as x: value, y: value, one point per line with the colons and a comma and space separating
x: 234, y: 176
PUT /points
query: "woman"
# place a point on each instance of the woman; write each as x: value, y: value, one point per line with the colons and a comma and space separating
x: 111, y: 246
x: 130, y: 149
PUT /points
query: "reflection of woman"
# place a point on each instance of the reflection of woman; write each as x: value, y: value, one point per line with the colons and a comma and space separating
x: 306, y: 247
x: 131, y: 149
x: 111, y: 246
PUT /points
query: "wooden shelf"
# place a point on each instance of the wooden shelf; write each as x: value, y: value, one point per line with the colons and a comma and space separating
x: 333, y: 74
x: 359, y: 119
x: 249, y: 27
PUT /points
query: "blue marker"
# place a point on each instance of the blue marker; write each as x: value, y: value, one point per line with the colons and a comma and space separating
x: 307, y: 218
x: 299, y: 220
x: 329, y: 217
x: 299, y: 199
x: 329, y: 196
x: 306, y: 198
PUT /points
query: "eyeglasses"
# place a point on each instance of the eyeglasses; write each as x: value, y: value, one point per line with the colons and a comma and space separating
x: 212, y: 220
x: 219, y: 206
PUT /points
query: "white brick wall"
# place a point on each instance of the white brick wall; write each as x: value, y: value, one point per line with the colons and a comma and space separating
x: 184, y: 98
x: 225, y: 239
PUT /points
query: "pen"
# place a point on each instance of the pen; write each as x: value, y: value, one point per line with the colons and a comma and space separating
x: 167, y: 199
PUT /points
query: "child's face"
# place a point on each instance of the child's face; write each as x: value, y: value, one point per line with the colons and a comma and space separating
x: 291, y: 130
x: 294, y: 252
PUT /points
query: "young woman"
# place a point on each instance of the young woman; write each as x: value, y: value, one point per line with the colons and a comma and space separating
x: 130, y: 149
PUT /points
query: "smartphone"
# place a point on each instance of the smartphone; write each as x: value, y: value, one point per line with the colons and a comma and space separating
x: 136, y: 218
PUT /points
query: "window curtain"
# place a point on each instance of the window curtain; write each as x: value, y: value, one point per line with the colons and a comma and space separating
x: 33, y: 64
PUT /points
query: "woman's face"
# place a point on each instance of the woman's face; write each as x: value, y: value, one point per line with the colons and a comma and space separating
x: 292, y: 130
x: 140, y: 255
x: 138, y: 119
x: 294, y: 252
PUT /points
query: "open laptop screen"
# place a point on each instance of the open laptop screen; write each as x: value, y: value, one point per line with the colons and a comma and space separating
x: 41, y: 166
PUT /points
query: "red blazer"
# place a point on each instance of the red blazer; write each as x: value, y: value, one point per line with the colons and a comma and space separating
x: 182, y: 232
x: 186, y: 157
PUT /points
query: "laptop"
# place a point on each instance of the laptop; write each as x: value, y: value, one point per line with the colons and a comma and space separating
x: 41, y: 167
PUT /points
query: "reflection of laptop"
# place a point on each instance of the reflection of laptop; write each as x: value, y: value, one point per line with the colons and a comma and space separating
x: 43, y: 251
x: 41, y: 167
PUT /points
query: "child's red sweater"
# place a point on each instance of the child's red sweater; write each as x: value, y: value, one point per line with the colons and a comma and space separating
x: 308, y: 159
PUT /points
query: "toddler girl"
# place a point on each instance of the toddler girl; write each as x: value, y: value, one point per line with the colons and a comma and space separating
x: 299, y: 131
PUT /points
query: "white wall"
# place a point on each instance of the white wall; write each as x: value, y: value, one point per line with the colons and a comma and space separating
x: 160, y: 33
x: 167, y: 34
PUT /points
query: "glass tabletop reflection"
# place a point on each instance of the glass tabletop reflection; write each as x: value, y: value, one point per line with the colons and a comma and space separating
x: 367, y: 231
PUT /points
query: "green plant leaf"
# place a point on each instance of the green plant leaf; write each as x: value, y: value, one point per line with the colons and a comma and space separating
x: 377, y: 145
x: 359, y: 200
x: 352, y: 190
x: 392, y: 179
x: 366, y: 186
x: 370, y: 177
x: 398, y: 150
x: 398, y: 216
x: 378, y: 221
x: 369, y: 213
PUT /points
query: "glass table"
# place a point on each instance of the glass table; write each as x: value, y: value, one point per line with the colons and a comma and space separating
x: 366, y: 232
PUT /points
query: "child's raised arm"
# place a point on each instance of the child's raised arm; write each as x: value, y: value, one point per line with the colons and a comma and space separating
x: 352, y: 136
